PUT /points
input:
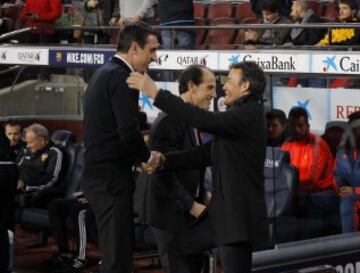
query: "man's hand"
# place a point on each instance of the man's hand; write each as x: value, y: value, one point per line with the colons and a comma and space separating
x: 207, y: 198
x: 121, y: 21
x: 155, y: 162
x: 113, y: 21
x: 92, y: 3
x: 345, y: 191
x: 136, y: 19
x: 197, y: 209
x: 251, y: 35
x: 144, y: 83
x: 20, y: 185
x: 82, y: 200
x: 33, y: 17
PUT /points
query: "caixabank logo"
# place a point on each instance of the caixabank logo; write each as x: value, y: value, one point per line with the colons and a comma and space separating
x: 344, y: 63
x: 267, y: 62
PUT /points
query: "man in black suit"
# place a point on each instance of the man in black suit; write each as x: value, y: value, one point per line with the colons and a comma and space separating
x: 114, y: 144
x: 172, y: 206
x: 237, y: 218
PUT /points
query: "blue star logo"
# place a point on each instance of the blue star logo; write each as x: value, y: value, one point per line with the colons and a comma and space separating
x: 145, y: 102
x: 304, y: 105
x: 330, y: 63
x: 234, y: 59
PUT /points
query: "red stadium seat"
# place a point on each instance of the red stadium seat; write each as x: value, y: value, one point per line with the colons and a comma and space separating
x: 243, y: 10
x: 331, y: 11
x: 240, y: 37
x: 200, y: 33
x: 317, y: 7
x: 223, y: 21
x: 220, y: 36
x: 221, y: 47
x: 250, y: 20
x: 220, y: 10
x: 200, y: 10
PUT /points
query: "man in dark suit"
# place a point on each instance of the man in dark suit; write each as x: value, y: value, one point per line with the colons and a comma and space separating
x: 172, y: 206
x: 237, y: 218
x: 114, y: 144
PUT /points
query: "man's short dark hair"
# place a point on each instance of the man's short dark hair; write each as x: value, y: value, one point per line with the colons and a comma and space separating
x: 252, y: 73
x: 134, y: 32
x: 277, y: 114
x: 351, y: 3
x: 12, y: 123
x: 298, y: 112
x: 270, y: 5
x: 192, y: 73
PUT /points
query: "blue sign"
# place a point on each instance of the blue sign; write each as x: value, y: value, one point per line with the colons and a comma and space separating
x: 79, y: 58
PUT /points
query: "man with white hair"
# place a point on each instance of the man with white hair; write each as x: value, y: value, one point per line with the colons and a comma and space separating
x: 301, y: 13
x: 41, y: 165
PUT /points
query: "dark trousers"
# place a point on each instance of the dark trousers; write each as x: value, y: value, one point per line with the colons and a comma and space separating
x: 8, y: 180
x: 114, y: 216
x: 188, y: 247
x: 60, y: 211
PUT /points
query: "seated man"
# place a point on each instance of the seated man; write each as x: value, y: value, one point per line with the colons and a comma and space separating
x: 313, y: 158
x: 276, y: 126
x: 347, y: 174
x: 13, y: 133
x: 271, y: 36
x: 301, y: 13
x: 41, y: 165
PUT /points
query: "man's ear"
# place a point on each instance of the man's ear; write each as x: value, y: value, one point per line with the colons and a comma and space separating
x: 134, y: 47
x: 190, y: 86
x: 246, y: 85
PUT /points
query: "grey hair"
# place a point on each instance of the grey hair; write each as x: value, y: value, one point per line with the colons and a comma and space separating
x: 38, y: 130
x: 304, y: 4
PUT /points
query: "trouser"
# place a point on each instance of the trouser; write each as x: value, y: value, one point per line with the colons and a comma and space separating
x: 348, y: 213
x: 113, y: 210
x: 60, y: 211
x: 188, y: 246
x: 163, y: 238
x: 8, y: 180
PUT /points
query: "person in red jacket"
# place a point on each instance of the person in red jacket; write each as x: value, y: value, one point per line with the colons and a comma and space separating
x: 41, y: 13
x: 316, y: 193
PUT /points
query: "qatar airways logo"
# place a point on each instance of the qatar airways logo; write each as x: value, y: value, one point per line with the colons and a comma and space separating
x: 189, y: 60
x: 29, y: 57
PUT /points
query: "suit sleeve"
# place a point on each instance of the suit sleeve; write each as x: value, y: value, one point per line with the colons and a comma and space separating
x: 196, y: 158
x: 227, y: 123
x: 124, y: 103
x: 55, y: 13
x: 168, y: 136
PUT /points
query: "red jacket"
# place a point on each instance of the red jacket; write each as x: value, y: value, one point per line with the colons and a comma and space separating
x: 314, y: 162
x: 47, y: 10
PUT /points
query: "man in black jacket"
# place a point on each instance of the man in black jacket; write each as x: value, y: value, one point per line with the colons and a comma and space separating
x: 237, y: 213
x: 13, y: 132
x: 114, y: 144
x: 172, y: 206
x: 8, y: 178
x: 301, y: 13
x: 40, y: 168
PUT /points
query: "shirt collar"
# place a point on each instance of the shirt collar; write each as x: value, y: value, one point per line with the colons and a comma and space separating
x: 122, y: 59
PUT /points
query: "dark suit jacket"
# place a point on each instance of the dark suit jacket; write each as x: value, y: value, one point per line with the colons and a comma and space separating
x: 310, y: 36
x: 237, y: 153
x: 112, y: 136
x: 171, y: 195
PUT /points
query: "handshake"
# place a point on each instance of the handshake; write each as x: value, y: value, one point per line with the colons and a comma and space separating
x: 155, y: 162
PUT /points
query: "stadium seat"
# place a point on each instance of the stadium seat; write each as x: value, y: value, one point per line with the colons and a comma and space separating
x: 200, y: 33
x: 200, y: 10
x: 333, y: 134
x: 243, y: 10
x: 221, y: 36
x: 220, y: 10
x: 281, y: 179
x: 331, y: 11
x: 62, y: 138
x: 317, y: 7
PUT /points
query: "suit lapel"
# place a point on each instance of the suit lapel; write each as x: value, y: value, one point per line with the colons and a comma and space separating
x: 191, y: 133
